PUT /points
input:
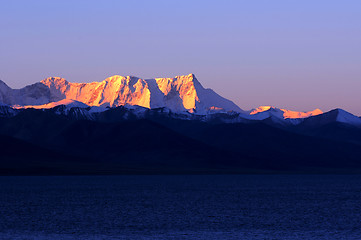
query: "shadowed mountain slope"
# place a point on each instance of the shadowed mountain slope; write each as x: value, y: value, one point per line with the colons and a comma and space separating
x: 159, y: 144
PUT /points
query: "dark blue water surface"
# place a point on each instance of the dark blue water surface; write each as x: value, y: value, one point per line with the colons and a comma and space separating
x: 181, y: 207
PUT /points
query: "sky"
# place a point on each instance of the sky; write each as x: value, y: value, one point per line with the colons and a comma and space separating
x: 298, y: 55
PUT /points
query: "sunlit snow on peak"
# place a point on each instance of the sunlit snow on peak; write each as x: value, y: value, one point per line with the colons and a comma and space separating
x: 286, y: 113
x: 181, y: 93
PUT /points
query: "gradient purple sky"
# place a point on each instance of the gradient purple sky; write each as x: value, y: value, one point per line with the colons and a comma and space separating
x: 298, y: 55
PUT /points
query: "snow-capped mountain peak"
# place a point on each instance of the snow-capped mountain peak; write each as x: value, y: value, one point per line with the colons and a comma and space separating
x: 267, y: 111
x: 346, y: 117
x: 179, y: 94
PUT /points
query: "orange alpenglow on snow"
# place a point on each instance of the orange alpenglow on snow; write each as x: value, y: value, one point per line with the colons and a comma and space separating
x: 67, y: 102
x: 181, y: 93
x: 288, y: 113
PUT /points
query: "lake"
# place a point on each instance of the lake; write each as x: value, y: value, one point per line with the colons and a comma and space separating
x: 181, y: 207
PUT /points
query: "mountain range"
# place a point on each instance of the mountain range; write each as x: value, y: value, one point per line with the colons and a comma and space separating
x: 165, y: 125
x: 182, y: 93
